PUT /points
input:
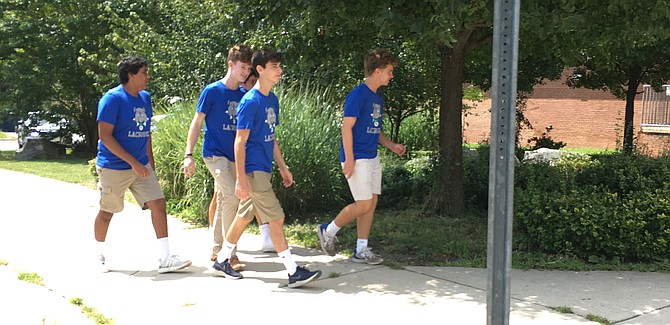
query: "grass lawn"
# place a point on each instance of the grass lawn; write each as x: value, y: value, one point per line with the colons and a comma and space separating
x: 404, y: 237
x: 70, y: 169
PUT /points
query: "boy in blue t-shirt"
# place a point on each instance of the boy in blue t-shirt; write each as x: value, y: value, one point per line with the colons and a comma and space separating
x: 217, y: 108
x: 255, y: 148
x: 361, y: 134
x: 125, y: 159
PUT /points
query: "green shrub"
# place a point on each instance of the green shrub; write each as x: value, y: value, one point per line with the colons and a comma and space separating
x: 310, y: 140
x: 594, y: 222
x: 476, y: 178
x: 607, y: 206
x: 406, y: 182
x: 419, y: 132
x: 187, y: 198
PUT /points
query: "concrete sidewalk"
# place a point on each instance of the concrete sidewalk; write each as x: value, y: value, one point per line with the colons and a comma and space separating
x: 46, y: 227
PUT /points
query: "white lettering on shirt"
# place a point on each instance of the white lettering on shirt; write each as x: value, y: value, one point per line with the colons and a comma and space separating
x: 374, y: 130
x: 138, y: 134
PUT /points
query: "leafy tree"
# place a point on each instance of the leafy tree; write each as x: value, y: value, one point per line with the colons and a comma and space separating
x: 61, y: 55
x: 40, y: 66
x: 616, y: 45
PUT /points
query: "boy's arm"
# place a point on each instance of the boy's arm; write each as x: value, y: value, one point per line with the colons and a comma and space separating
x: 105, y: 132
x: 348, y: 145
x: 150, y: 153
x: 242, y: 183
x: 398, y: 148
x: 286, y: 175
x: 192, y: 138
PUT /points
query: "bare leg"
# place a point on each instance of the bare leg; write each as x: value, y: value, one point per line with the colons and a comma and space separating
x: 353, y: 211
x: 236, y: 229
x: 277, y: 235
x: 101, y: 225
x: 159, y: 217
x: 364, y: 221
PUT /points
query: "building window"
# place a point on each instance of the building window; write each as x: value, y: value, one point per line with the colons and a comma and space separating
x: 656, y: 110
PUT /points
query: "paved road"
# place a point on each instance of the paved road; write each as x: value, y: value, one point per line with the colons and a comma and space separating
x: 9, y: 144
x: 46, y: 227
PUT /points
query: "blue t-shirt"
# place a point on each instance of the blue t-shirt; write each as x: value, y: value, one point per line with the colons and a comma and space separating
x: 367, y: 107
x: 131, y: 117
x: 219, y: 104
x: 259, y: 114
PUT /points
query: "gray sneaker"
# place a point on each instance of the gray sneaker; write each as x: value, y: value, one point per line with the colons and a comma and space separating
x: 327, y: 243
x: 366, y: 256
x: 173, y: 263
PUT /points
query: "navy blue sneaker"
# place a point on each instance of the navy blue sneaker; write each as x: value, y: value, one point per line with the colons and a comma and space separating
x: 226, y: 270
x: 302, y: 276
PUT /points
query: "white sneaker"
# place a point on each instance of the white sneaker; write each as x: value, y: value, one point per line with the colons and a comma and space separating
x: 173, y: 263
x: 366, y: 256
x: 102, y: 267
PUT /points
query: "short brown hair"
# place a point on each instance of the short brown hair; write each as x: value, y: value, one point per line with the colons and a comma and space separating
x: 378, y: 58
x: 240, y: 52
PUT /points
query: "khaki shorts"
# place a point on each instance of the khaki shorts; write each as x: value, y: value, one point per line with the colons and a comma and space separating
x: 367, y: 179
x: 113, y: 184
x: 261, y: 198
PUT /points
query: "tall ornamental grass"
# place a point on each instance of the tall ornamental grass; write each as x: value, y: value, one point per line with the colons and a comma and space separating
x: 309, y: 138
x: 187, y: 198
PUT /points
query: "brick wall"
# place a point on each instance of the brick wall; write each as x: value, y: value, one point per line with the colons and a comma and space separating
x: 581, y: 118
x: 653, y: 143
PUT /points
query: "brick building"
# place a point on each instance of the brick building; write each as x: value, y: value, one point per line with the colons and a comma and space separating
x: 581, y: 118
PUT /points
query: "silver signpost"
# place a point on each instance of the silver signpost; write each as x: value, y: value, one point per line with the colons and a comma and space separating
x: 501, y: 161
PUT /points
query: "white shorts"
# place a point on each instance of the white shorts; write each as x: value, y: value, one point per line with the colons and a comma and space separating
x: 366, y: 179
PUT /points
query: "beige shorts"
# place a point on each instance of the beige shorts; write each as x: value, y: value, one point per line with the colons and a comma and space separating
x: 366, y: 179
x: 113, y: 184
x: 261, y: 198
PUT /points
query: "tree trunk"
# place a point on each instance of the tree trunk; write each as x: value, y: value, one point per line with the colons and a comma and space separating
x: 396, y: 128
x: 448, y: 197
x: 631, y: 92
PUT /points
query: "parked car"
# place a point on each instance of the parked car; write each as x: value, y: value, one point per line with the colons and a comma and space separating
x: 35, y: 128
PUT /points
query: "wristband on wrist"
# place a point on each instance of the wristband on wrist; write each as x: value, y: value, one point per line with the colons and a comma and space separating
x: 186, y: 155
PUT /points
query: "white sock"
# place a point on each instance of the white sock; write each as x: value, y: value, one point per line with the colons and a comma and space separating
x: 287, y: 259
x: 265, y: 234
x: 101, y: 248
x: 163, y: 248
x: 226, y: 251
x: 360, y: 244
x: 332, y: 229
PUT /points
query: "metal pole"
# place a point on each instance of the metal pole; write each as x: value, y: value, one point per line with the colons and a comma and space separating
x: 501, y: 161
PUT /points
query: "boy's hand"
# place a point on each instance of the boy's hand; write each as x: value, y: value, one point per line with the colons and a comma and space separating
x: 242, y: 189
x: 140, y: 170
x: 286, y: 176
x: 189, y: 167
x: 348, y: 168
x: 398, y: 148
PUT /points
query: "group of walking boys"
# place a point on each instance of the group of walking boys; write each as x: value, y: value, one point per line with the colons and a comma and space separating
x: 239, y: 148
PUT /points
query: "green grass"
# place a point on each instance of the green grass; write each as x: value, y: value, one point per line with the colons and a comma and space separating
x: 70, y: 169
x: 598, y: 319
x: 4, y: 135
x: 91, y: 312
x: 31, y: 278
x: 589, y: 151
x: 3, y: 263
x: 563, y: 309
